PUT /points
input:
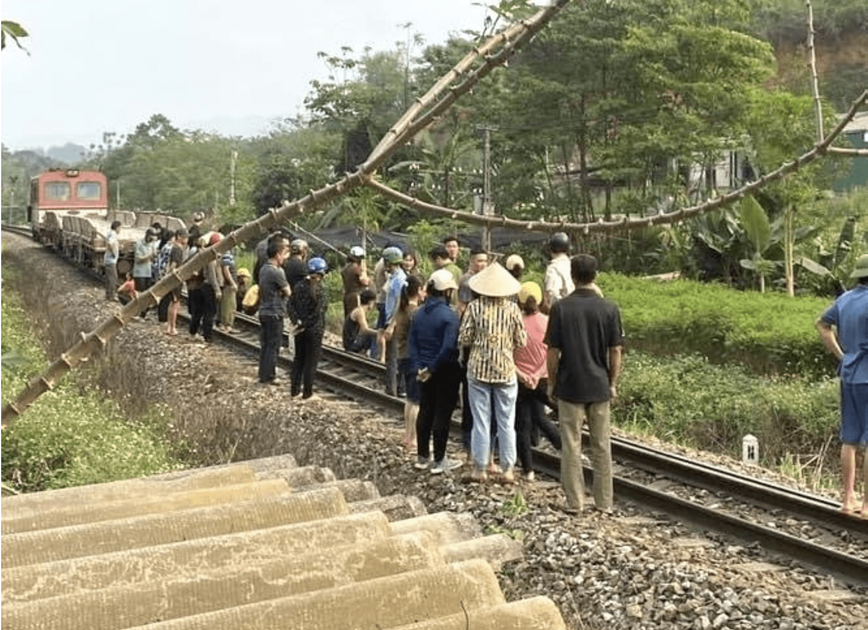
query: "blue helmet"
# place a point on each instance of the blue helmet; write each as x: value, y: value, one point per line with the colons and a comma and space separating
x: 317, y: 265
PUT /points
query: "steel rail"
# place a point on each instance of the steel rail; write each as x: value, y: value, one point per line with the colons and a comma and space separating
x: 697, y: 474
x: 845, y: 567
x: 848, y: 568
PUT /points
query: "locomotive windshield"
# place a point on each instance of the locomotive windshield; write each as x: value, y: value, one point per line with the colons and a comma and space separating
x: 57, y: 190
x: 88, y: 190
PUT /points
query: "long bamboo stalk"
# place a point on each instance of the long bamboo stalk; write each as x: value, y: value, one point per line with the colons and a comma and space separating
x: 402, y: 134
x: 848, y: 152
x: 98, y: 338
x: 460, y: 68
x: 812, y: 62
x: 602, y: 226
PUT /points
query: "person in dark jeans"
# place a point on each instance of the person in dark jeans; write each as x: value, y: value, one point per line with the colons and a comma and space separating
x: 433, y: 345
x: 531, y: 370
x: 273, y: 290
x: 307, y: 309
x: 209, y: 295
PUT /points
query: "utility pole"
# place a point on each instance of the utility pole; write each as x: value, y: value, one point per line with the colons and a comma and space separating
x: 232, y: 157
x: 487, y: 202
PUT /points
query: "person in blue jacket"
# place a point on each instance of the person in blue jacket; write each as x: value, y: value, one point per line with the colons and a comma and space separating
x: 433, y: 345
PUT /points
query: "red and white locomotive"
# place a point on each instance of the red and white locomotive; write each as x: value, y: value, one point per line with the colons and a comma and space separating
x: 68, y: 211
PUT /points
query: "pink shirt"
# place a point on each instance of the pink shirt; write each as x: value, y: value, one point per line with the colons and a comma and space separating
x: 531, y: 359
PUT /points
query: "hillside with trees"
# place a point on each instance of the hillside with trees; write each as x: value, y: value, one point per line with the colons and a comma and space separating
x: 616, y: 109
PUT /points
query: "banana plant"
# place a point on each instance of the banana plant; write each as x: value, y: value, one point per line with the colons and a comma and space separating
x: 758, y: 229
x: 833, y: 264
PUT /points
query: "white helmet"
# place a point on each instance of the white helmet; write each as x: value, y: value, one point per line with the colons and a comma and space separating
x: 357, y: 252
x: 298, y: 246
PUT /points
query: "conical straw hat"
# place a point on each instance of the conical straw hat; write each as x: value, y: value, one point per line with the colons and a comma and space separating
x: 494, y: 281
x: 861, y: 269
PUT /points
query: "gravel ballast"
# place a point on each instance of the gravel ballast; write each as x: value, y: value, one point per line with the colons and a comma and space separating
x: 630, y: 569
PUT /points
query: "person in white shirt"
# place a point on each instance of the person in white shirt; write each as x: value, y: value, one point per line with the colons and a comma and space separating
x: 558, y: 283
x: 112, y: 251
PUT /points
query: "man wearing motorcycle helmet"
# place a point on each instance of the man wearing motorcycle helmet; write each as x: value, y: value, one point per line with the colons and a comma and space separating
x: 295, y: 266
x: 393, y: 258
x: 558, y: 281
x: 307, y: 310
x: 355, y: 278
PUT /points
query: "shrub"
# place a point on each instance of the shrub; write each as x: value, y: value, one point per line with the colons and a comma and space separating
x: 67, y: 437
x: 767, y: 333
x: 689, y: 400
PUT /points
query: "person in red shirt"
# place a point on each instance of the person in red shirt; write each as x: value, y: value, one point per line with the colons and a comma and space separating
x: 532, y: 373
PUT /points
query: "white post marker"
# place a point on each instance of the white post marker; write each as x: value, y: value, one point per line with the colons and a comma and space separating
x: 750, y: 450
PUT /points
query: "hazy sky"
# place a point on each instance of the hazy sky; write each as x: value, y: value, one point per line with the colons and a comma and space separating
x: 222, y: 65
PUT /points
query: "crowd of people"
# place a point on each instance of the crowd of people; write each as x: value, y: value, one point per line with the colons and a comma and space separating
x: 214, y: 293
x: 505, y: 350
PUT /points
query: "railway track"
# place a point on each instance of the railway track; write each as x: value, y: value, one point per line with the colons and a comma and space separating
x: 360, y: 378
x: 644, y: 471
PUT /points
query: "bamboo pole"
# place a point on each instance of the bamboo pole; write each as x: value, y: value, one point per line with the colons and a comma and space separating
x: 509, y: 40
x: 504, y: 38
x: 601, y: 226
x: 812, y: 62
x: 848, y: 152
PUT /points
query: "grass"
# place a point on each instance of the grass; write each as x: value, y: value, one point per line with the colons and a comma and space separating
x: 74, y: 434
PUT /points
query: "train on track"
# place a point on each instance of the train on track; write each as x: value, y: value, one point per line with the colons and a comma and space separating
x: 69, y: 212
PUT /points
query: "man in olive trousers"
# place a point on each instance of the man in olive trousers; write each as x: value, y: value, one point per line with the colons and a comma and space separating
x: 584, y: 339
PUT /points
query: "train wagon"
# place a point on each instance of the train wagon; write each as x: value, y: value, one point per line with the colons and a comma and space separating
x: 64, y: 192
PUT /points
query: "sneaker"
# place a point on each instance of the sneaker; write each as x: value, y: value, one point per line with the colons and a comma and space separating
x: 444, y: 465
x: 530, y: 476
x: 422, y: 463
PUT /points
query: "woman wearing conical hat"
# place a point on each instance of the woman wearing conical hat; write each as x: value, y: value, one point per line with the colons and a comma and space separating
x: 492, y: 329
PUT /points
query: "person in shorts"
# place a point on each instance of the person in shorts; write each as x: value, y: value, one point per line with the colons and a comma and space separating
x: 849, y: 315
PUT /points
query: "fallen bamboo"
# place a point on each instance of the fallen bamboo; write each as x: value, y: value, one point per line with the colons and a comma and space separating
x: 601, y: 226
x: 98, y: 339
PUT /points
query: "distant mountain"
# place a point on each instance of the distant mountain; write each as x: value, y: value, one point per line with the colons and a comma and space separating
x: 69, y: 154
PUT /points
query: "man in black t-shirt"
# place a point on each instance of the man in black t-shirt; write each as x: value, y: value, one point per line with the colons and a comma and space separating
x: 584, y: 339
x: 273, y: 291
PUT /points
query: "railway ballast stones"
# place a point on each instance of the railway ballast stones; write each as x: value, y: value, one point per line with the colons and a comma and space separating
x: 603, y: 572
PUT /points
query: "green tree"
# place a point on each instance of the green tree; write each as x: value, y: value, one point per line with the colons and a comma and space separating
x: 296, y: 157
x: 618, y: 96
x: 15, y: 32
x: 759, y: 232
x: 360, y: 99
